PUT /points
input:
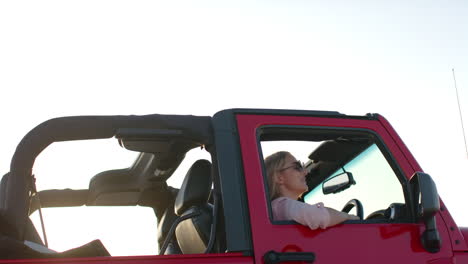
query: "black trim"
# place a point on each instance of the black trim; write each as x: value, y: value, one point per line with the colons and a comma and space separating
x: 232, y: 183
x: 310, y: 113
x: 377, y: 140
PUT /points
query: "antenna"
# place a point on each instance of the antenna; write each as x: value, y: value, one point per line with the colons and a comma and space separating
x: 459, y: 110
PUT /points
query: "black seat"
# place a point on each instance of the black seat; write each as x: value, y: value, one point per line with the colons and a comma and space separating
x: 193, y: 233
x: 164, y: 225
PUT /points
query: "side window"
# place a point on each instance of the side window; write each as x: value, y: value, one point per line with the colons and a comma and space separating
x: 376, y: 185
x: 329, y: 157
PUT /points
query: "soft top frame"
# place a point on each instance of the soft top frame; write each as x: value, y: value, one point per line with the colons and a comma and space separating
x: 19, y: 183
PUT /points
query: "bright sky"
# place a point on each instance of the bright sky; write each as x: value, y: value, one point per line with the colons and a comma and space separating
x: 61, y: 58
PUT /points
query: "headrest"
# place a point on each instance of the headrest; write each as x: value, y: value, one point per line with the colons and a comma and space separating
x: 196, y: 187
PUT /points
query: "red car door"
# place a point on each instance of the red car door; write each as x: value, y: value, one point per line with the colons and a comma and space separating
x: 358, y: 242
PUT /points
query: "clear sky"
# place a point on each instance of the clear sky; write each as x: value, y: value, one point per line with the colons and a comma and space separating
x: 60, y: 58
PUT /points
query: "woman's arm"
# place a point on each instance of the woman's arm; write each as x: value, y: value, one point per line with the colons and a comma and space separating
x: 311, y: 215
x: 337, y: 217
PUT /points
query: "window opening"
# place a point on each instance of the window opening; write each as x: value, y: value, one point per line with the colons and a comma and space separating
x: 125, y: 230
x: 326, y: 154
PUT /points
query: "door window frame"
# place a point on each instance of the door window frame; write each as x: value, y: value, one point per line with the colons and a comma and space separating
x: 303, y: 130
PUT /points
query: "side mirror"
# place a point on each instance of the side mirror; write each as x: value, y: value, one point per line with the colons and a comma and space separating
x: 426, y: 205
x: 338, y: 183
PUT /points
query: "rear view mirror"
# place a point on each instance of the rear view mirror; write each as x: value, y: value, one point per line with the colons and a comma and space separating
x: 338, y: 183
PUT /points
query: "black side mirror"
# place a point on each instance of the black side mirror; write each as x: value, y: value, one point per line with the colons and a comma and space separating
x: 338, y: 183
x: 426, y: 205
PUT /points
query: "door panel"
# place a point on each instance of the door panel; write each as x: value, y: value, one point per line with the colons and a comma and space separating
x: 355, y: 243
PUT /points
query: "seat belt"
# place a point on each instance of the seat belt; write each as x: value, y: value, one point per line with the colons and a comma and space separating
x: 35, y: 199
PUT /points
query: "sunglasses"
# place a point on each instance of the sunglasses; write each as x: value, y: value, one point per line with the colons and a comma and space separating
x: 297, y: 165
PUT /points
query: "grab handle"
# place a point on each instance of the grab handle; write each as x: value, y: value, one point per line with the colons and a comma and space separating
x: 273, y: 257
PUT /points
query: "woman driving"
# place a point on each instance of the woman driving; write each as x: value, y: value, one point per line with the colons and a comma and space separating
x: 287, y: 182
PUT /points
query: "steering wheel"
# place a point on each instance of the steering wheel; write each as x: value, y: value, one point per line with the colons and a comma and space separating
x: 380, y: 214
x: 354, y: 203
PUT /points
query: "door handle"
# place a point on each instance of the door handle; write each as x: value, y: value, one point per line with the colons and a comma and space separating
x: 273, y: 257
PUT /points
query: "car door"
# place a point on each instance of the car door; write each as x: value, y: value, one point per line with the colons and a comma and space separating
x: 363, y: 241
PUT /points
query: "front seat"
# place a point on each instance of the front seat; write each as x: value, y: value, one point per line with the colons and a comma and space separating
x: 165, y: 222
x: 193, y: 234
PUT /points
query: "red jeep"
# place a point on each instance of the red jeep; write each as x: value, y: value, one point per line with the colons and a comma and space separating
x: 221, y: 213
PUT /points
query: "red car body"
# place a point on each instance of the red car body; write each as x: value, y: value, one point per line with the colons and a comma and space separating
x: 247, y: 226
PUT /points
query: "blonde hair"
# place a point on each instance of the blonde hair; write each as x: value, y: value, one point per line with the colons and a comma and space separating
x: 273, y: 164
